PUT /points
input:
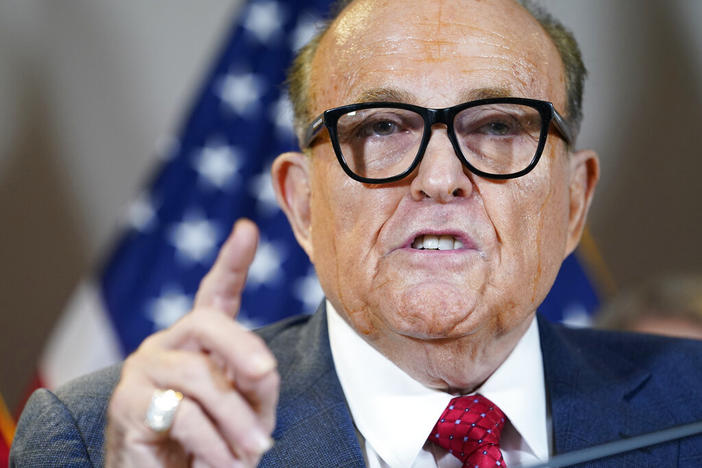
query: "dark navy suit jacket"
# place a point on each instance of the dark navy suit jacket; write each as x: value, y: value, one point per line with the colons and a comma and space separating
x: 601, y: 386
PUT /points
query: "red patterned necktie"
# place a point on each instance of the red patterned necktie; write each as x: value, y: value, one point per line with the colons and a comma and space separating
x: 470, y: 429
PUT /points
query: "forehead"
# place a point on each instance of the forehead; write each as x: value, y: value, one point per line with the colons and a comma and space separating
x: 435, y: 53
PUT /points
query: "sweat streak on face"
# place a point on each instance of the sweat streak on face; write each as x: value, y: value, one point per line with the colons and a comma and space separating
x: 422, y: 308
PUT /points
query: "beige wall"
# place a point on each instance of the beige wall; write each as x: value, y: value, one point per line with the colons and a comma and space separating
x: 89, y: 89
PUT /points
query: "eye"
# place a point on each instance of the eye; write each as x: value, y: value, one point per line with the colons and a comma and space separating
x: 379, y: 124
x: 379, y: 127
x: 384, y: 128
x: 499, y: 128
x: 497, y: 121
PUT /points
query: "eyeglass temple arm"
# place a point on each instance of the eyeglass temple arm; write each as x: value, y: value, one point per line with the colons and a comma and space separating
x: 563, y: 127
x: 312, y: 131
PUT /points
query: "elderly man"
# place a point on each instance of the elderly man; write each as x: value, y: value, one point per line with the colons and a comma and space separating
x: 437, y: 194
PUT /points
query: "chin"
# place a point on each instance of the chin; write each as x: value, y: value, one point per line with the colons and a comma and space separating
x: 431, y: 312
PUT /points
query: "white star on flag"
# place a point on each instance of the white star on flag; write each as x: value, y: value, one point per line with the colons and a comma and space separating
x: 264, y: 20
x: 217, y: 164
x: 261, y: 187
x: 307, y: 26
x: 308, y: 291
x: 241, y: 92
x: 195, y: 239
x: 265, y: 268
x: 169, y: 307
x: 282, y: 115
x: 141, y: 213
x: 575, y: 315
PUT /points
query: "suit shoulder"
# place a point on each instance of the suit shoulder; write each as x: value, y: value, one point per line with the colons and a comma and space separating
x: 629, y: 342
x: 678, y: 359
x: 65, y: 426
x: 96, y: 386
x: 301, y: 346
x: 87, y: 397
x: 284, y: 333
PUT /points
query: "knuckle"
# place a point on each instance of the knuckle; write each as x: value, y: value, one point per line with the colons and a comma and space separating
x: 269, y: 386
x: 259, y: 360
x: 194, y: 367
x: 244, y: 432
x: 258, y: 367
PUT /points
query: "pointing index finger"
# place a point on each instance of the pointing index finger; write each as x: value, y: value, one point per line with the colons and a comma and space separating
x: 221, y: 288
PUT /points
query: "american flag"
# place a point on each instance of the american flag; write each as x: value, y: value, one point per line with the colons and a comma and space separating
x: 215, y: 171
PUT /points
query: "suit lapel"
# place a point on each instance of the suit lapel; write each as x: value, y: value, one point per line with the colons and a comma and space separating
x: 597, y: 396
x: 314, y: 427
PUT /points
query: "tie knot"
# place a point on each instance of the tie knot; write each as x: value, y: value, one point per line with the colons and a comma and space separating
x: 470, y: 428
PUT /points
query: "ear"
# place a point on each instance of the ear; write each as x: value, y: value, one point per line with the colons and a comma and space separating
x: 584, y: 174
x: 291, y: 182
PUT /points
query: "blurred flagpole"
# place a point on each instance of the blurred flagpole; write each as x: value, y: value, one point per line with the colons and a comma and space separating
x: 214, y: 171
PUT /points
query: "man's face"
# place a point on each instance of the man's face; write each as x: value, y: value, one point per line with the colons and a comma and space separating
x: 515, y: 233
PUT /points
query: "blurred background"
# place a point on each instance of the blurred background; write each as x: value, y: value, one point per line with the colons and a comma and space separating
x: 91, y: 92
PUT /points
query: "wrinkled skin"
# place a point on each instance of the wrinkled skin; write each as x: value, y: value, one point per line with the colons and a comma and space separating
x: 448, y: 318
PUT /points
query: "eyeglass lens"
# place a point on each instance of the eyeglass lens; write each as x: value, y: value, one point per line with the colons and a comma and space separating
x: 383, y: 142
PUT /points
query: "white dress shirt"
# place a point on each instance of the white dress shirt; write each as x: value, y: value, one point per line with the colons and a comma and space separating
x: 394, y: 414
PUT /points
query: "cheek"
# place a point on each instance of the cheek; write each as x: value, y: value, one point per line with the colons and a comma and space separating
x: 346, y: 220
x: 531, y: 225
x: 339, y: 209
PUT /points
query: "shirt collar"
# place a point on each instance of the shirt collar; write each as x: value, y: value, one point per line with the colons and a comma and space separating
x: 517, y: 387
x: 395, y: 414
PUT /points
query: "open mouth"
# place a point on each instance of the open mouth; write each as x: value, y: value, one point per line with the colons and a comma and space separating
x: 433, y: 242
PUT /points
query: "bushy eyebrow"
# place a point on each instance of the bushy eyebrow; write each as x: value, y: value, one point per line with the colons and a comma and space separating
x: 387, y: 95
x: 399, y: 95
x: 486, y: 93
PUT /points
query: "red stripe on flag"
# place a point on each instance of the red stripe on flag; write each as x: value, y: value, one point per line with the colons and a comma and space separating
x: 4, y: 454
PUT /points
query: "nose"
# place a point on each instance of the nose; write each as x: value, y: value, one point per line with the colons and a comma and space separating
x: 441, y: 175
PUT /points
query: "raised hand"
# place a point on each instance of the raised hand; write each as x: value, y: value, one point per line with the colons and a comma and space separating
x: 225, y: 374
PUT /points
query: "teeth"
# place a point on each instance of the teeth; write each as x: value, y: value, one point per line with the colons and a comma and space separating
x: 430, y: 242
x: 445, y: 243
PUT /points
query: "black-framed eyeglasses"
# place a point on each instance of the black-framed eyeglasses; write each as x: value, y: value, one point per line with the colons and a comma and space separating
x: 381, y: 142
